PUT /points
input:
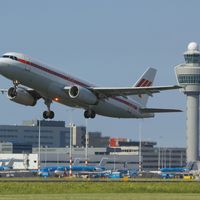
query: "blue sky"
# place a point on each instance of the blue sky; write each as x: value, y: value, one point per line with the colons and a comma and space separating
x: 109, y: 43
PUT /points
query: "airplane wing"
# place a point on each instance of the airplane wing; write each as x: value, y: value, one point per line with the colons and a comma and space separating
x: 158, y: 110
x: 126, y: 91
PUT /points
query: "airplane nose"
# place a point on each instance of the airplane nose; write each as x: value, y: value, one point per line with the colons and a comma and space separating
x: 3, y: 65
x: 3, y: 62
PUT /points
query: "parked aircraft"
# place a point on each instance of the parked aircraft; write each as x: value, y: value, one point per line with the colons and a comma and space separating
x: 44, y: 82
x: 7, y: 166
x: 60, y: 170
x: 171, y: 169
x: 175, y: 169
x: 171, y: 172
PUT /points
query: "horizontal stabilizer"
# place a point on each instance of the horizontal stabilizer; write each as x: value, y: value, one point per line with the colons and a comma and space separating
x: 158, y: 110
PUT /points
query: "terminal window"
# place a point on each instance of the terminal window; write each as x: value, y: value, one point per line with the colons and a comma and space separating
x: 189, y: 78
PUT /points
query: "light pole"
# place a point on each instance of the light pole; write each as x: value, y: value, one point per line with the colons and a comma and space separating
x: 70, y: 142
x: 140, y: 146
x: 159, y: 153
x: 114, y: 167
x: 86, y: 141
x: 70, y: 150
x: 158, y: 157
x: 162, y: 157
x: 45, y: 155
x: 57, y: 156
x: 39, y: 133
x: 170, y: 157
x: 165, y: 158
x: 181, y: 159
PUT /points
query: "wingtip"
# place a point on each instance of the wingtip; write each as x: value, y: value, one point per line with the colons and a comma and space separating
x: 180, y: 111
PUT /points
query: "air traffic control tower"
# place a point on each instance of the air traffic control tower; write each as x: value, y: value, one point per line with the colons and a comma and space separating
x: 188, y: 76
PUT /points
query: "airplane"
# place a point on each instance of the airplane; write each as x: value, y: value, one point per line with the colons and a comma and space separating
x: 83, y: 169
x: 171, y: 169
x: 7, y: 166
x: 60, y: 170
x: 175, y: 169
x: 171, y: 172
x: 33, y: 80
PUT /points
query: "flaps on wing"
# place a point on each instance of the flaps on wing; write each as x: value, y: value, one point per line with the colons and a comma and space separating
x: 126, y: 91
x: 158, y: 110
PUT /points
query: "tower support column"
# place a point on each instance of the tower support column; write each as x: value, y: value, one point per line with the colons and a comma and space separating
x: 192, y: 126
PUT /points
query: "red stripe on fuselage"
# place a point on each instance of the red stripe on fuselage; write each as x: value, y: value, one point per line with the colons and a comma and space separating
x: 70, y: 79
x: 53, y: 72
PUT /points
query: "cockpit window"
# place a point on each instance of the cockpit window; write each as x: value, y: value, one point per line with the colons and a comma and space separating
x: 5, y: 56
x: 11, y: 57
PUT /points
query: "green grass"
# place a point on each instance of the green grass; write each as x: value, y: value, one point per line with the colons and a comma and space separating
x: 97, y: 187
x: 100, y: 190
x: 104, y: 196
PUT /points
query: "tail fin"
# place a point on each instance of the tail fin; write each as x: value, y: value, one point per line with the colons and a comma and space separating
x: 145, y: 80
x: 10, y: 163
x: 76, y: 161
x: 6, y: 162
x: 103, y: 161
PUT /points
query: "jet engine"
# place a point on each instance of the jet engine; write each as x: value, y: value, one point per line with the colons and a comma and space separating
x: 21, y: 96
x: 83, y: 95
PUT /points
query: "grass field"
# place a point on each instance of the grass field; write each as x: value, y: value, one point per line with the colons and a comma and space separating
x: 97, y: 187
x: 100, y: 190
x: 103, y: 196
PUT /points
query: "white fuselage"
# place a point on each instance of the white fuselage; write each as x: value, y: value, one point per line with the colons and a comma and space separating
x: 50, y: 83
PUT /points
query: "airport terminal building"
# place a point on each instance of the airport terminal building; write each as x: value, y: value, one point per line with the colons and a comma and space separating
x: 53, y: 134
x: 55, y: 140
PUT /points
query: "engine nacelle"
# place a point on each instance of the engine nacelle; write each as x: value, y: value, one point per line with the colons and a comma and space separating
x: 83, y: 95
x: 21, y: 96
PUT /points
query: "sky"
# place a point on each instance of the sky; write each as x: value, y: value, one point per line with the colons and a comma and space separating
x: 108, y: 43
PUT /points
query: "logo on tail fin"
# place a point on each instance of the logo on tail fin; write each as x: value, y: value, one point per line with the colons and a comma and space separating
x: 143, y: 83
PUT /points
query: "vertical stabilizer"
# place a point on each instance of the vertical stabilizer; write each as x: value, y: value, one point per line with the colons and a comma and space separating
x: 145, y: 80
x: 10, y: 163
x: 103, y: 161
